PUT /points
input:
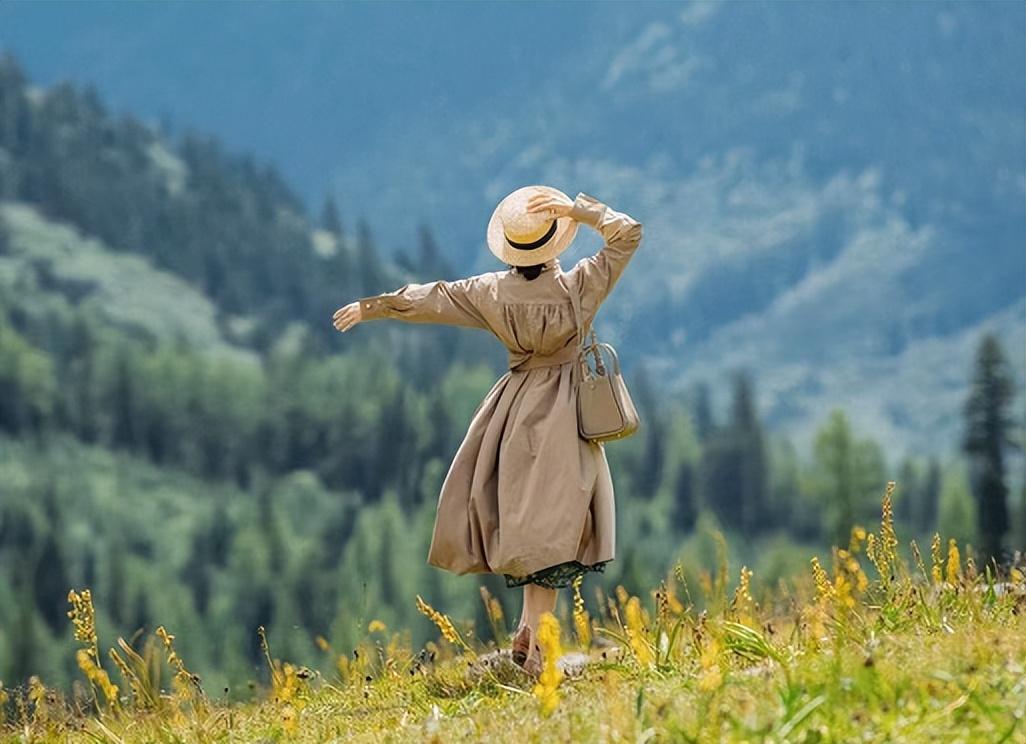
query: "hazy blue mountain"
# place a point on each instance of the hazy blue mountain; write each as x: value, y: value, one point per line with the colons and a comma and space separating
x: 833, y: 193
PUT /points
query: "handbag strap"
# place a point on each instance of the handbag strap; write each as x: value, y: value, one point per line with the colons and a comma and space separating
x: 575, y: 300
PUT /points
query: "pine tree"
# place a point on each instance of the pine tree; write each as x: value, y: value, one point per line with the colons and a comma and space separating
x: 653, y: 457
x: 907, y: 495
x: 849, y: 476
x: 986, y: 436
x: 701, y: 410
x: 430, y: 262
x: 685, y: 510
x: 956, y: 516
x: 750, y: 455
x: 330, y: 219
x: 929, y: 497
x: 370, y: 269
x: 50, y: 582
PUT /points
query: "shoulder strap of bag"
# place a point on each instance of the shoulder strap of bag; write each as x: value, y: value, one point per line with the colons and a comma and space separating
x: 575, y: 300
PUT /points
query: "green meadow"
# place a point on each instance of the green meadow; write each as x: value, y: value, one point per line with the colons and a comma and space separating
x: 877, y: 642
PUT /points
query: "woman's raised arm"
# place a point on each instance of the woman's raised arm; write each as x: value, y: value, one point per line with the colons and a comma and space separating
x: 598, y: 274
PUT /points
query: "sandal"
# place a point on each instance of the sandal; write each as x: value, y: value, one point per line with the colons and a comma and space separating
x: 522, y: 651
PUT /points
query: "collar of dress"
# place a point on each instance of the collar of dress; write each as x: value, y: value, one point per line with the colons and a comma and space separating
x: 547, y: 266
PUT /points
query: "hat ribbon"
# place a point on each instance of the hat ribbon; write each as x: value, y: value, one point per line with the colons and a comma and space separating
x: 540, y: 241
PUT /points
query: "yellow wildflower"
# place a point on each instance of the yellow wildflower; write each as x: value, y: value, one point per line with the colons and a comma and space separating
x: 548, y: 681
x: 710, y: 677
x: 184, y: 680
x: 83, y: 619
x: 97, y: 675
x: 636, y: 632
x: 376, y: 625
x: 621, y: 595
x: 495, y: 610
x: 675, y: 605
x: 444, y: 624
x: 842, y: 591
x: 887, y: 535
x: 582, y: 622
x: 743, y: 605
x: 954, y: 562
x: 935, y: 556
x: 289, y: 719
x: 858, y: 536
x: 824, y: 588
x: 37, y: 696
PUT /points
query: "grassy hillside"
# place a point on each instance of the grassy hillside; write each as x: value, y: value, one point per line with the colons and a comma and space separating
x: 872, y: 644
x: 51, y: 269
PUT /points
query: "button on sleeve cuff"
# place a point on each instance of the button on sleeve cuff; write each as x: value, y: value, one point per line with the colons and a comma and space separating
x: 372, y: 308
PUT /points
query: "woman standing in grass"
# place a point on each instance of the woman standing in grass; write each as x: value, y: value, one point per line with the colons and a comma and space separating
x: 525, y: 495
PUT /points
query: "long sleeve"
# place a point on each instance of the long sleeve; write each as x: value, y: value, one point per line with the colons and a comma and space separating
x: 598, y: 274
x: 446, y: 302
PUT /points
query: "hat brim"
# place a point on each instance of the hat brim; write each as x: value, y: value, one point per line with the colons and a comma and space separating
x: 566, y: 231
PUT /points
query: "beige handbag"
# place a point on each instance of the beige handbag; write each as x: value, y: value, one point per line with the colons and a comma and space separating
x: 605, y: 411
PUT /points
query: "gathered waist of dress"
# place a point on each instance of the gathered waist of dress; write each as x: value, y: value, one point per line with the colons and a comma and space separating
x: 564, y: 355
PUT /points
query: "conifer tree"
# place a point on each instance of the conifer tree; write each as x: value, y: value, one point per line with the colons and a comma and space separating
x: 907, y: 496
x: 701, y: 410
x: 685, y: 510
x: 330, y: 219
x: 929, y: 497
x: 370, y: 269
x: 987, y: 427
x: 749, y: 455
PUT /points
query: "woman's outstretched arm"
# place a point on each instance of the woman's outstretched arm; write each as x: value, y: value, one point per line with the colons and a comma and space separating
x: 446, y: 302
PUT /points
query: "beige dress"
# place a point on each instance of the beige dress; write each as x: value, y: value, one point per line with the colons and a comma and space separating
x: 524, y: 491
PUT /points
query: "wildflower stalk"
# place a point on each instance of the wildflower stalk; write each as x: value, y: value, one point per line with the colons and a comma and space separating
x: 582, y: 621
x: 546, y: 690
x: 493, y: 608
x: 636, y: 632
x: 445, y: 625
x: 83, y: 622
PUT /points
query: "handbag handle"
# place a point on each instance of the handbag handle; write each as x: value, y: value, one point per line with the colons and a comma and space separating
x: 616, y: 359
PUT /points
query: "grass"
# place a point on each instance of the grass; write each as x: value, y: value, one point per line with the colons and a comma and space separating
x: 877, y: 648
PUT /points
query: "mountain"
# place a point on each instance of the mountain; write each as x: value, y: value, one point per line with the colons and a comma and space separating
x: 833, y: 194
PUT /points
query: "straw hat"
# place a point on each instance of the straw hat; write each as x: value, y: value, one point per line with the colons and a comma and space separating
x: 523, y: 238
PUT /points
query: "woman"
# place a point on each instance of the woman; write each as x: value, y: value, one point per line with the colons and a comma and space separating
x: 525, y: 495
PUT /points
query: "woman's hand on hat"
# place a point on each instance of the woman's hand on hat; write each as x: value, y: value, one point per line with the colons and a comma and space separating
x: 556, y: 205
x: 347, y: 316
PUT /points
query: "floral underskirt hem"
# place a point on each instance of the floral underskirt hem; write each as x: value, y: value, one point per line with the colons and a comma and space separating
x: 555, y: 577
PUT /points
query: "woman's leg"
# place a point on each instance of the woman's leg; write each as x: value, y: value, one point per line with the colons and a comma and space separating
x: 525, y: 612
x: 544, y: 601
x: 538, y: 600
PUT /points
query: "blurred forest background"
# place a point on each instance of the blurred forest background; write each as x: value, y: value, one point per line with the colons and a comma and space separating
x: 182, y: 430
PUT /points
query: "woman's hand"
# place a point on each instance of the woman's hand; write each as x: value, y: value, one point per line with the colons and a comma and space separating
x: 347, y: 316
x: 556, y: 205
